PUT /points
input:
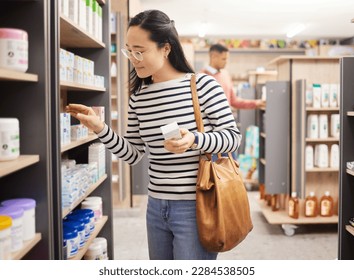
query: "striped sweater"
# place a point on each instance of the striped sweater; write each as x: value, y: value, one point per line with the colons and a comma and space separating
x: 173, y: 176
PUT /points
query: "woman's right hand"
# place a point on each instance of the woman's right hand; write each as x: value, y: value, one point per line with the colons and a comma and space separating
x: 86, y: 115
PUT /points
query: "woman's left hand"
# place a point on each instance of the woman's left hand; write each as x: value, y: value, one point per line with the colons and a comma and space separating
x: 179, y: 146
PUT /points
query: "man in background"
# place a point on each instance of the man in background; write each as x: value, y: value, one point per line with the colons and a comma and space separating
x: 218, y: 56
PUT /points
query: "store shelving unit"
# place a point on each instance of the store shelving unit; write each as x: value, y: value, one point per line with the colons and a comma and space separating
x: 346, y: 195
x: 316, y: 179
x: 121, y: 171
x: 296, y: 69
x: 68, y: 35
x: 274, y: 139
x: 25, y: 96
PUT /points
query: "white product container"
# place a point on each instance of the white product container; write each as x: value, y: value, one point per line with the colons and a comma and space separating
x: 71, y: 239
x: 334, y: 163
x: 335, y: 125
x: 29, y: 215
x: 94, y: 203
x: 325, y: 95
x: 9, y: 139
x: 333, y: 95
x: 5, y: 237
x: 309, y: 96
x: 13, y: 49
x: 323, y: 126
x: 103, y: 243
x: 94, y: 252
x: 312, y: 126
x: 316, y: 92
x: 309, y: 157
x: 321, y: 155
x: 16, y: 214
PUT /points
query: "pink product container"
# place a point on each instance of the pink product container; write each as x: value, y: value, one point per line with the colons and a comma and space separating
x: 13, y: 49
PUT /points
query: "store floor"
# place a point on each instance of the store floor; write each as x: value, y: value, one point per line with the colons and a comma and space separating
x: 265, y: 242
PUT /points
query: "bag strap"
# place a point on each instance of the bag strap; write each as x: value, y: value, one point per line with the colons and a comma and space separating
x: 197, y: 114
x: 196, y: 107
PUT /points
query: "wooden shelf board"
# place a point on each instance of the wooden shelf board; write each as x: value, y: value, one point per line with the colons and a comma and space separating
x: 258, y: 50
x: 350, y: 114
x: 350, y: 172
x: 27, y: 246
x: 350, y: 229
x: 9, y: 75
x: 325, y: 169
x: 114, y: 96
x: 74, y: 36
x: 262, y: 134
x: 98, y: 227
x: 78, y: 143
x: 281, y: 217
x: 330, y: 139
x: 329, y: 109
x: 66, y: 211
x: 7, y: 167
x: 265, y: 73
x: 283, y: 58
x: 262, y: 160
x: 79, y: 87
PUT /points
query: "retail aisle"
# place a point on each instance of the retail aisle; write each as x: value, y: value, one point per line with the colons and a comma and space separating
x: 265, y: 242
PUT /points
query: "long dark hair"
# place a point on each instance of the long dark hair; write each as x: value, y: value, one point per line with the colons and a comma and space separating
x: 162, y: 30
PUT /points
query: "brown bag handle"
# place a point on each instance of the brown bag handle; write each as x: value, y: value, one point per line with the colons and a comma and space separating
x: 197, y: 114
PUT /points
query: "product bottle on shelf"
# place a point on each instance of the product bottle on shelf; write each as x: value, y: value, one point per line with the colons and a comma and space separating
x: 294, y: 206
x: 326, y: 205
x: 275, y: 202
x: 311, y: 205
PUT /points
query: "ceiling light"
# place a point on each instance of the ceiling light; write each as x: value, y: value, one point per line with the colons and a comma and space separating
x: 202, y: 30
x: 296, y: 29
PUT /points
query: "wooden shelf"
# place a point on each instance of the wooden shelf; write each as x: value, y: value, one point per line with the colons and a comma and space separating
x: 283, y: 58
x: 98, y: 227
x: 79, y: 87
x: 350, y: 172
x: 265, y: 72
x: 350, y: 229
x: 9, y: 75
x: 328, y: 109
x: 325, y: 169
x: 258, y: 50
x: 7, y: 167
x: 350, y: 114
x: 262, y: 160
x: 27, y: 246
x: 282, y: 217
x: 330, y: 139
x: 262, y: 134
x: 114, y: 96
x: 73, y: 36
x: 66, y: 211
x: 78, y: 143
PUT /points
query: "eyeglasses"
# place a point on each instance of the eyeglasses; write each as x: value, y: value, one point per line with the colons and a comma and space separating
x: 130, y: 54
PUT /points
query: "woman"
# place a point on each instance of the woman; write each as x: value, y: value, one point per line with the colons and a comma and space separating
x: 161, y: 94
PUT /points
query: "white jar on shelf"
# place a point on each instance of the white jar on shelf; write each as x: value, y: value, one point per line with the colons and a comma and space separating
x: 5, y: 237
x: 9, y: 139
x: 13, y: 49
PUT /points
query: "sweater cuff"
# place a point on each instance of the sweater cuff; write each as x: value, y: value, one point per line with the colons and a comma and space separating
x: 103, y: 131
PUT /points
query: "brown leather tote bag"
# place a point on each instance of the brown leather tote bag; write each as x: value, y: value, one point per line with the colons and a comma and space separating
x: 222, y: 206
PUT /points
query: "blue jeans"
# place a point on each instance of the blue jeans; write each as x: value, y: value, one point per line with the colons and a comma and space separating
x: 172, y: 231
